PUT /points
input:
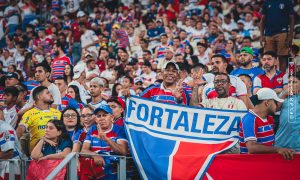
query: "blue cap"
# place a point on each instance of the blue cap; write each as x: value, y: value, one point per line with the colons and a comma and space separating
x: 12, y: 75
x: 105, y: 108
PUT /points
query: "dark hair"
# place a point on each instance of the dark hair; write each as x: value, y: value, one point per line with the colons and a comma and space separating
x: 14, y: 67
x: 45, y: 66
x: 37, y: 92
x: 21, y: 87
x: 114, y: 89
x: 271, y: 53
x: 223, y: 74
x: 78, y: 124
x: 191, y: 49
x: 58, y: 44
x: 61, y: 78
x: 130, y: 79
x: 220, y: 56
x: 247, y: 37
x: 71, y: 73
x: 11, y: 90
x: 60, y: 127
x: 202, y: 44
x: 246, y: 75
x: 77, y: 94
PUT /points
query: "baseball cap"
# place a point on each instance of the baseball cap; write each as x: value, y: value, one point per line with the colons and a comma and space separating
x: 137, y: 79
x: 247, y: 50
x: 170, y: 62
x: 266, y: 94
x: 78, y: 69
x: 80, y: 14
x: 104, y: 108
x: 12, y: 75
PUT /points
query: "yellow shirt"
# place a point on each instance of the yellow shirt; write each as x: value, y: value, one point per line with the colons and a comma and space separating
x: 35, y: 121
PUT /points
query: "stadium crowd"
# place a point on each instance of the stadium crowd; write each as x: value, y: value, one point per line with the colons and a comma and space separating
x: 67, y: 67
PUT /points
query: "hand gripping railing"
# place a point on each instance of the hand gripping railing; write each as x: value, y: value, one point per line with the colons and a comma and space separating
x: 72, y: 160
x: 11, y: 167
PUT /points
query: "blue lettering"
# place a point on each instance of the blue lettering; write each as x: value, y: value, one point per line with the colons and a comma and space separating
x: 42, y: 127
x: 130, y: 107
x: 234, y: 125
x: 139, y: 112
x: 156, y: 116
x: 170, y: 117
x: 207, y: 123
x: 183, y: 116
x: 224, y: 120
x: 194, y: 124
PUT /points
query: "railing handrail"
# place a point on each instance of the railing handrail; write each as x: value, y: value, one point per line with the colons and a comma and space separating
x: 61, y: 165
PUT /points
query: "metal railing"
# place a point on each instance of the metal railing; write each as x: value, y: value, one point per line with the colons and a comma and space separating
x: 71, y: 162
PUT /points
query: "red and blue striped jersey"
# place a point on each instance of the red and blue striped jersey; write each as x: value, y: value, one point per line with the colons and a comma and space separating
x: 67, y: 100
x: 80, y: 136
x: 161, y: 51
x: 263, y: 81
x: 30, y: 86
x: 161, y: 94
x: 116, y: 133
x: 58, y: 66
x: 254, y: 128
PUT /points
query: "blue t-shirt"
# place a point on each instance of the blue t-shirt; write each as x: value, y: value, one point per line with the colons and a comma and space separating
x: 48, y: 149
x: 253, y: 72
x: 288, y: 135
x: 156, y: 32
x: 277, y: 16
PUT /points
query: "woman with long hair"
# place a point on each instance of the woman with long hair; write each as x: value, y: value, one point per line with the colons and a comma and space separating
x: 68, y: 73
x: 71, y: 119
x: 56, y: 143
x: 73, y: 91
x: 87, y: 120
x: 116, y: 89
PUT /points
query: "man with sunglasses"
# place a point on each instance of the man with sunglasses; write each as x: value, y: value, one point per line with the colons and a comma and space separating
x: 237, y: 88
x: 224, y: 100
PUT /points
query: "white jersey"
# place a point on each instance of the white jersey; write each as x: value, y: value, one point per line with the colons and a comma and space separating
x: 87, y: 38
x: 230, y: 102
x: 98, y: 104
x: 9, y: 141
x: 11, y: 116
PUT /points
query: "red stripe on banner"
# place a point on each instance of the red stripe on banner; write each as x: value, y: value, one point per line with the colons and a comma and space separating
x: 254, y: 166
x: 192, y: 156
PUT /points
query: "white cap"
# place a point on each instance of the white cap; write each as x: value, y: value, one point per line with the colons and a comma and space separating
x: 78, y: 69
x: 80, y: 14
x: 170, y: 62
x: 267, y: 93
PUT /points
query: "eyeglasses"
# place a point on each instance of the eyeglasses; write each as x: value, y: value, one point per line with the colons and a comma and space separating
x: 222, y: 81
x: 86, y: 116
x: 70, y: 115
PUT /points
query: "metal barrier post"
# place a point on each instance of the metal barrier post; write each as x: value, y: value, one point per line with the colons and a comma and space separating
x: 122, y: 168
x: 73, y: 168
x: 11, y: 170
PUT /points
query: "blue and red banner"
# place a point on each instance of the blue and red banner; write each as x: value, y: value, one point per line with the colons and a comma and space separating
x: 177, y: 142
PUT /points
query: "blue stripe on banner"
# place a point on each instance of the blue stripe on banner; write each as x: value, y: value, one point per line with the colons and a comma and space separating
x: 181, y: 136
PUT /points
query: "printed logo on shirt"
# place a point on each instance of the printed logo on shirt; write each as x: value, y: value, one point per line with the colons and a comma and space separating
x: 279, y: 80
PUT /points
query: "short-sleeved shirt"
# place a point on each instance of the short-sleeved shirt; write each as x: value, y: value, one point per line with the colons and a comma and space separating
x: 80, y: 136
x: 96, y: 105
x: 35, y: 121
x: 252, y: 72
x: 263, y: 81
x: 237, y: 88
x: 63, y: 144
x: 277, y: 16
x: 9, y: 141
x: 225, y: 103
x: 58, y: 66
x: 288, y: 133
x: 161, y: 94
x: 254, y: 128
x: 116, y: 133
